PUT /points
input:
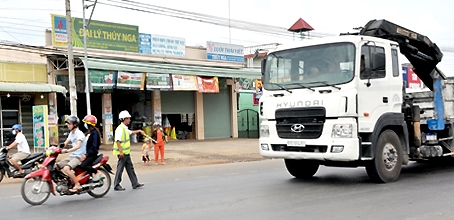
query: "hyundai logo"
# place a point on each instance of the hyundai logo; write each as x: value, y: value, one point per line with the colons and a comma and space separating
x: 297, y: 128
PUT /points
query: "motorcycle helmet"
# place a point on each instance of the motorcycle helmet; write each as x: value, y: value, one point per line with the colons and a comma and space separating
x: 90, y: 120
x: 73, y: 120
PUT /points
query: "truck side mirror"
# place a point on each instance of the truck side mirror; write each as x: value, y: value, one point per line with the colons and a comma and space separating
x: 378, y: 62
x: 263, y: 65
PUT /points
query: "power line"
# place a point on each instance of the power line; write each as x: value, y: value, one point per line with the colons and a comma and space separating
x: 206, y: 16
x: 252, y: 29
x: 12, y: 24
x: 9, y: 34
x: 41, y: 35
x: 19, y: 28
x: 33, y: 9
x: 28, y: 20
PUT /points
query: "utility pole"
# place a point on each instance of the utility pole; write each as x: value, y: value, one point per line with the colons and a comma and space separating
x: 87, y: 80
x: 230, y: 33
x: 72, y: 77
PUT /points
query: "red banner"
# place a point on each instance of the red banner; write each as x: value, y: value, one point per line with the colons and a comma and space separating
x: 255, y: 99
x: 208, y: 85
x: 413, y: 80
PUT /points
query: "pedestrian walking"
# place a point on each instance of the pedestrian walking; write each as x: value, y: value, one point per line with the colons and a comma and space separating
x: 160, y: 138
x: 122, y: 149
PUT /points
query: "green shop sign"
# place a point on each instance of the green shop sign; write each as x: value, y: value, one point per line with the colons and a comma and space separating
x: 158, y: 81
x: 100, y: 34
x: 101, y: 79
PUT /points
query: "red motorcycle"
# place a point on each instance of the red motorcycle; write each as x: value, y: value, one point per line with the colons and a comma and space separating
x: 38, y: 185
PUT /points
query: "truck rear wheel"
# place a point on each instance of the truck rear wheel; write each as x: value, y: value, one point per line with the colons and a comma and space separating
x: 387, y: 164
x: 301, y: 169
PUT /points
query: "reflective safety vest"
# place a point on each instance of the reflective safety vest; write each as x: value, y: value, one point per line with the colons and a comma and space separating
x: 124, y: 142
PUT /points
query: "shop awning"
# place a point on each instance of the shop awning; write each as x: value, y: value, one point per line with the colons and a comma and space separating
x: 161, y: 68
x: 30, y: 87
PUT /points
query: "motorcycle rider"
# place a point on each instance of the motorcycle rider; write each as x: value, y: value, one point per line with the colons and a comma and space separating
x: 23, y: 149
x: 93, y: 142
x: 77, y: 139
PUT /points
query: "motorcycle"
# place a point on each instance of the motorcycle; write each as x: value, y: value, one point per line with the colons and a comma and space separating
x: 38, y: 185
x: 29, y: 164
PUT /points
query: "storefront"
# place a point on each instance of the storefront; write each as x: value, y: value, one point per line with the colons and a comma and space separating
x: 197, y: 102
x: 22, y: 86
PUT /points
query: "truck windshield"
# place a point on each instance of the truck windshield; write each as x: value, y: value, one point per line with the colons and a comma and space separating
x: 296, y: 68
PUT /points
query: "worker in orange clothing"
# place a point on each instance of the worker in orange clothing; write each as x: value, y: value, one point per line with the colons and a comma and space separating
x: 159, y: 138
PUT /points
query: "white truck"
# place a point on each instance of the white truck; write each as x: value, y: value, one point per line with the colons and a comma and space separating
x: 340, y: 101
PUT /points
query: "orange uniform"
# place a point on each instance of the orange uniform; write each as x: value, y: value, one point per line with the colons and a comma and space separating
x: 158, y: 135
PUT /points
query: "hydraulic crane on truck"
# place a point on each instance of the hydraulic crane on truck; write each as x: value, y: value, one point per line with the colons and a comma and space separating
x: 424, y: 55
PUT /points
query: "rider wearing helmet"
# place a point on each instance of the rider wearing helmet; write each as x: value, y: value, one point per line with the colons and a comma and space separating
x: 93, y: 138
x: 77, y: 139
x: 23, y: 149
x: 121, y: 149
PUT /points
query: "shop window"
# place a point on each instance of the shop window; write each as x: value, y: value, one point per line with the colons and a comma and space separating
x: 9, y: 117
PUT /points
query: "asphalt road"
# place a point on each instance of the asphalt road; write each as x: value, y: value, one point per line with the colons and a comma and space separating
x: 254, y: 190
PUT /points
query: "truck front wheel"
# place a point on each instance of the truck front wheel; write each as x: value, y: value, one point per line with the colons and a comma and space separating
x: 301, y: 169
x: 386, y: 165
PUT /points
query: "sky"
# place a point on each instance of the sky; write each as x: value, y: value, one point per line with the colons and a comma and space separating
x: 24, y: 21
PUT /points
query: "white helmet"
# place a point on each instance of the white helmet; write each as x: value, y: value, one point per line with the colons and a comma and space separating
x: 124, y: 114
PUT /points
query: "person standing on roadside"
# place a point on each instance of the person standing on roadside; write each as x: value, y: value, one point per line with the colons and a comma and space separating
x: 160, y: 138
x: 146, y: 150
x: 122, y: 149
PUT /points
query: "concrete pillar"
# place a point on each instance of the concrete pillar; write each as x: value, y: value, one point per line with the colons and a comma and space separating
x: 199, y: 119
x: 107, y: 119
x: 232, y: 89
x: 156, y: 110
x: 52, y: 102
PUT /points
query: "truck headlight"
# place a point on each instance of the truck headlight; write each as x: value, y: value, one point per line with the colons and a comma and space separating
x: 342, y: 131
x: 264, y: 131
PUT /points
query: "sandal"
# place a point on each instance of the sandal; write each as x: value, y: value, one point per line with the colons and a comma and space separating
x: 100, y: 177
x: 73, y: 190
x: 19, y: 174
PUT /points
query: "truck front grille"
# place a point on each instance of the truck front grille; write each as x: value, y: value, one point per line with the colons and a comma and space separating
x: 311, y: 118
x: 307, y: 148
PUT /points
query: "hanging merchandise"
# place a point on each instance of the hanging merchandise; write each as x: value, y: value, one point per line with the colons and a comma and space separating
x: 183, y: 118
x: 173, y: 134
x: 148, y: 130
x: 167, y: 130
x: 190, y: 119
x: 166, y: 123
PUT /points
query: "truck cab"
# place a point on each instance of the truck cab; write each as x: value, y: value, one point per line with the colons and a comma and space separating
x: 337, y: 101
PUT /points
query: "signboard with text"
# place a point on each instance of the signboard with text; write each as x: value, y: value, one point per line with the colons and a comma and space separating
x: 225, y: 52
x: 101, y: 79
x: 40, y: 126
x: 145, y: 43
x: 129, y: 80
x: 184, y: 82
x: 158, y: 81
x: 208, y: 85
x: 162, y: 45
x: 100, y: 34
